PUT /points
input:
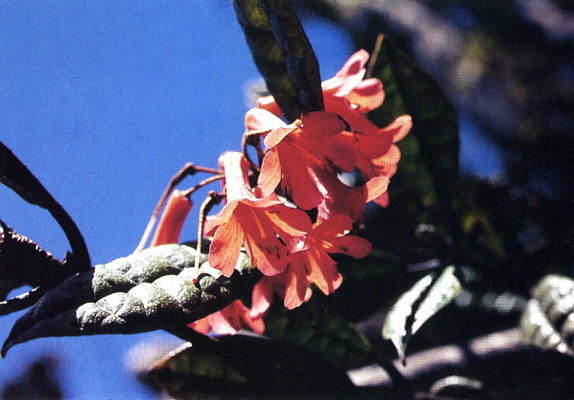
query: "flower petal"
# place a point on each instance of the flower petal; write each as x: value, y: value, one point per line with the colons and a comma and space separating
x: 267, y: 253
x: 368, y: 95
x: 334, y: 226
x: 292, y: 221
x: 321, y: 123
x: 296, y: 289
x: 340, y: 154
x: 201, y: 325
x: 268, y: 103
x: 261, y: 297
x: 404, y: 124
x: 357, y: 121
x: 349, y: 76
x: 225, y: 247
x: 225, y: 321
x: 270, y: 175
x: 376, y: 187
x: 258, y: 119
x: 277, y: 135
x: 322, y: 271
x: 353, y: 246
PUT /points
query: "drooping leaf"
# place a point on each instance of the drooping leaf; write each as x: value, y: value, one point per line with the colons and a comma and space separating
x: 23, y: 262
x: 245, y: 366
x: 428, y: 296
x: 315, y: 326
x: 142, y: 292
x: 15, y: 175
x: 282, y: 54
x: 548, y: 320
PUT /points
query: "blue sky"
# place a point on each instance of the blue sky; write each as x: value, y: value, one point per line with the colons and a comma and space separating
x: 104, y: 101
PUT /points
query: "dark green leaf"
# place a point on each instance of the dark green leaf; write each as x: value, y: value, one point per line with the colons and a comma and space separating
x: 429, y: 164
x: 417, y: 305
x: 241, y: 366
x: 282, y: 54
x: 318, y: 328
x: 142, y: 292
x: 15, y: 175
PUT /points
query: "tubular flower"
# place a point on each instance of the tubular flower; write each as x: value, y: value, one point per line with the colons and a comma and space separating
x: 309, y: 263
x: 269, y: 286
x: 295, y: 150
x: 349, y: 96
x: 263, y: 224
x: 229, y: 320
x: 377, y: 155
x: 172, y: 219
x: 310, y: 260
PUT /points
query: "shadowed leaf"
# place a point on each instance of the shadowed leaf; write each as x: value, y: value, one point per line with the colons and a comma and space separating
x: 318, y: 328
x: 428, y: 170
x: 241, y: 366
x: 282, y: 54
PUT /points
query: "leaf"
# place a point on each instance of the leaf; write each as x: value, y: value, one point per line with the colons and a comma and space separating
x: 318, y: 328
x: 417, y: 305
x: 23, y: 262
x: 15, y: 175
x: 282, y: 54
x: 548, y: 320
x: 246, y: 366
x: 150, y: 290
x: 429, y: 161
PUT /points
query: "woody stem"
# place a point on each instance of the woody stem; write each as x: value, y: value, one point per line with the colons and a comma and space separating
x: 187, y: 193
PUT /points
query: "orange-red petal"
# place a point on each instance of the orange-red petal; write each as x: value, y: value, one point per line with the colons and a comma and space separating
x: 270, y: 175
x: 225, y: 247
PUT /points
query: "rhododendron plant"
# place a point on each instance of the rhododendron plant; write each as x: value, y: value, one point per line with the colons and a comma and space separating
x: 267, y: 207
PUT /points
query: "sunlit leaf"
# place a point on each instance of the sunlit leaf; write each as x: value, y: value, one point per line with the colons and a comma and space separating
x: 548, y: 320
x: 282, y: 54
x: 241, y: 366
x: 154, y: 289
x: 416, y: 306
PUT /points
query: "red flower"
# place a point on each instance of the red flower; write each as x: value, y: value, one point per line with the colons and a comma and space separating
x: 263, y: 224
x: 348, y: 96
x: 229, y: 320
x: 310, y: 259
x: 286, y: 285
x: 310, y: 262
x: 295, y: 150
x: 348, y: 83
x: 377, y: 155
x: 226, y: 321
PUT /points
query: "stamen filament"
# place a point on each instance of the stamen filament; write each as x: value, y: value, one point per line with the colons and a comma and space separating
x: 212, y: 199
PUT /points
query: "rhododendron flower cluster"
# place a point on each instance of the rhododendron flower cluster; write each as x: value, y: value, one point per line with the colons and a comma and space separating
x: 291, y: 212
